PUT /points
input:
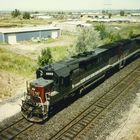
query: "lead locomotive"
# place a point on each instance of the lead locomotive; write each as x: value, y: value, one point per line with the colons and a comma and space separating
x: 66, y: 78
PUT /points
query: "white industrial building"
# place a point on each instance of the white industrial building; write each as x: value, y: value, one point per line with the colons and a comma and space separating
x: 72, y: 26
x: 14, y: 35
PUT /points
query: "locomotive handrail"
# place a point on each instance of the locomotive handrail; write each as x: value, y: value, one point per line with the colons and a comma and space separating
x: 41, y: 103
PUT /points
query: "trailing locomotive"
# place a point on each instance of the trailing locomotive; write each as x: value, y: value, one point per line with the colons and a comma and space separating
x: 69, y: 77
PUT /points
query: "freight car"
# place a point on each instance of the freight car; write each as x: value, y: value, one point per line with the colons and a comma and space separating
x: 66, y: 78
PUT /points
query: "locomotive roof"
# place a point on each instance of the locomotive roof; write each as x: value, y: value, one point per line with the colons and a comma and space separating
x: 63, y: 68
x: 116, y: 44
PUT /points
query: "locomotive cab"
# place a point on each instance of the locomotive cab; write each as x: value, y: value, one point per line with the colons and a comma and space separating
x: 35, y: 106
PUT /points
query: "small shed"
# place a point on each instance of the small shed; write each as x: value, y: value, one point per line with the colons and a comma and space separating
x: 14, y: 35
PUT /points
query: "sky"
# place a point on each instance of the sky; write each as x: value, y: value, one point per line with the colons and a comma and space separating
x: 68, y: 4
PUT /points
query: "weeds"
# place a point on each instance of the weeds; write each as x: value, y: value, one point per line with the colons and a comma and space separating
x: 16, y: 63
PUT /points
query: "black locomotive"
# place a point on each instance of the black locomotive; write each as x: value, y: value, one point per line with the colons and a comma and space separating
x: 69, y: 77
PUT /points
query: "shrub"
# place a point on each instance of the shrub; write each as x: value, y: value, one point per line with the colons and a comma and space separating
x: 15, y: 13
x: 26, y: 15
x: 45, y: 57
x: 122, y: 13
x: 88, y: 39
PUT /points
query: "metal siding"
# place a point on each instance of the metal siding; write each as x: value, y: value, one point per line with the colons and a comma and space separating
x: 26, y: 35
x: 1, y: 38
x: 6, y: 38
x: 21, y: 36
x: 12, y: 38
x: 59, y: 33
x: 46, y: 34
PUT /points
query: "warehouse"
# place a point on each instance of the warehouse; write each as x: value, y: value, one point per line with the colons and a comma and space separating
x: 72, y: 26
x: 14, y: 35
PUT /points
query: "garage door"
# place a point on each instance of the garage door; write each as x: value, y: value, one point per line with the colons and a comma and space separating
x: 54, y: 34
x: 12, y: 39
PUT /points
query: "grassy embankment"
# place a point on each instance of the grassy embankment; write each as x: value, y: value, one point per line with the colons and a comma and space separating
x: 126, y: 28
x: 15, y: 63
x: 15, y: 69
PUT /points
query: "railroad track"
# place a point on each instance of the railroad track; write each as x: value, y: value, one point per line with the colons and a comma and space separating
x: 14, y: 129
x: 79, y: 125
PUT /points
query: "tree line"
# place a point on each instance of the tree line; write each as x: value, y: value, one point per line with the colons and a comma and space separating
x: 18, y: 13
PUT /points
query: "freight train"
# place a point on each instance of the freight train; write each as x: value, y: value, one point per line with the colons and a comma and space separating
x: 56, y: 82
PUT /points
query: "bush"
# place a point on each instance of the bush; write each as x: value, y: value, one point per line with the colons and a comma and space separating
x: 45, y: 57
x: 122, y: 13
x: 15, y: 13
x: 101, y: 28
x: 88, y: 39
x: 26, y: 15
x: 108, y: 34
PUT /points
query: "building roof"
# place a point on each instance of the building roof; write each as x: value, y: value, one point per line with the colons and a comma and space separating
x: 76, y: 23
x: 27, y: 29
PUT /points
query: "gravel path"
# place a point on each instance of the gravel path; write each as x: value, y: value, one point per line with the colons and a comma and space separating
x: 59, y: 120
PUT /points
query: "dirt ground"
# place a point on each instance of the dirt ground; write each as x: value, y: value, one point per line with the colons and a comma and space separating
x: 32, y: 49
x: 11, y: 85
x: 129, y: 128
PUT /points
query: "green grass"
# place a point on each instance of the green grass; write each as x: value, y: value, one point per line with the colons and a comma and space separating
x: 22, y: 22
x: 126, y: 28
x: 16, y: 63
x: 59, y: 53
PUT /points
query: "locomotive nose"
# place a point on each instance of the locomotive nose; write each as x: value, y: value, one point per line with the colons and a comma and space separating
x: 35, y: 106
x: 40, y: 87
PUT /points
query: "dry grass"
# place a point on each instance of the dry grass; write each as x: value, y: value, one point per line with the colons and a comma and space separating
x: 16, y: 63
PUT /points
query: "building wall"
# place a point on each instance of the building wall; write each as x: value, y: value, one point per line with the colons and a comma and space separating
x: 46, y: 34
x: 34, y: 34
x: 6, y: 38
x: 26, y: 35
x: 1, y: 38
x: 22, y: 36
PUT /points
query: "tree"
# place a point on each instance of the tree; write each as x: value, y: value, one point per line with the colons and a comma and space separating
x: 45, y: 57
x: 26, y: 15
x: 15, y: 13
x: 122, y: 13
x: 102, y: 30
x: 103, y: 12
x: 108, y: 34
x: 87, y: 40
x: 109, y: 15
